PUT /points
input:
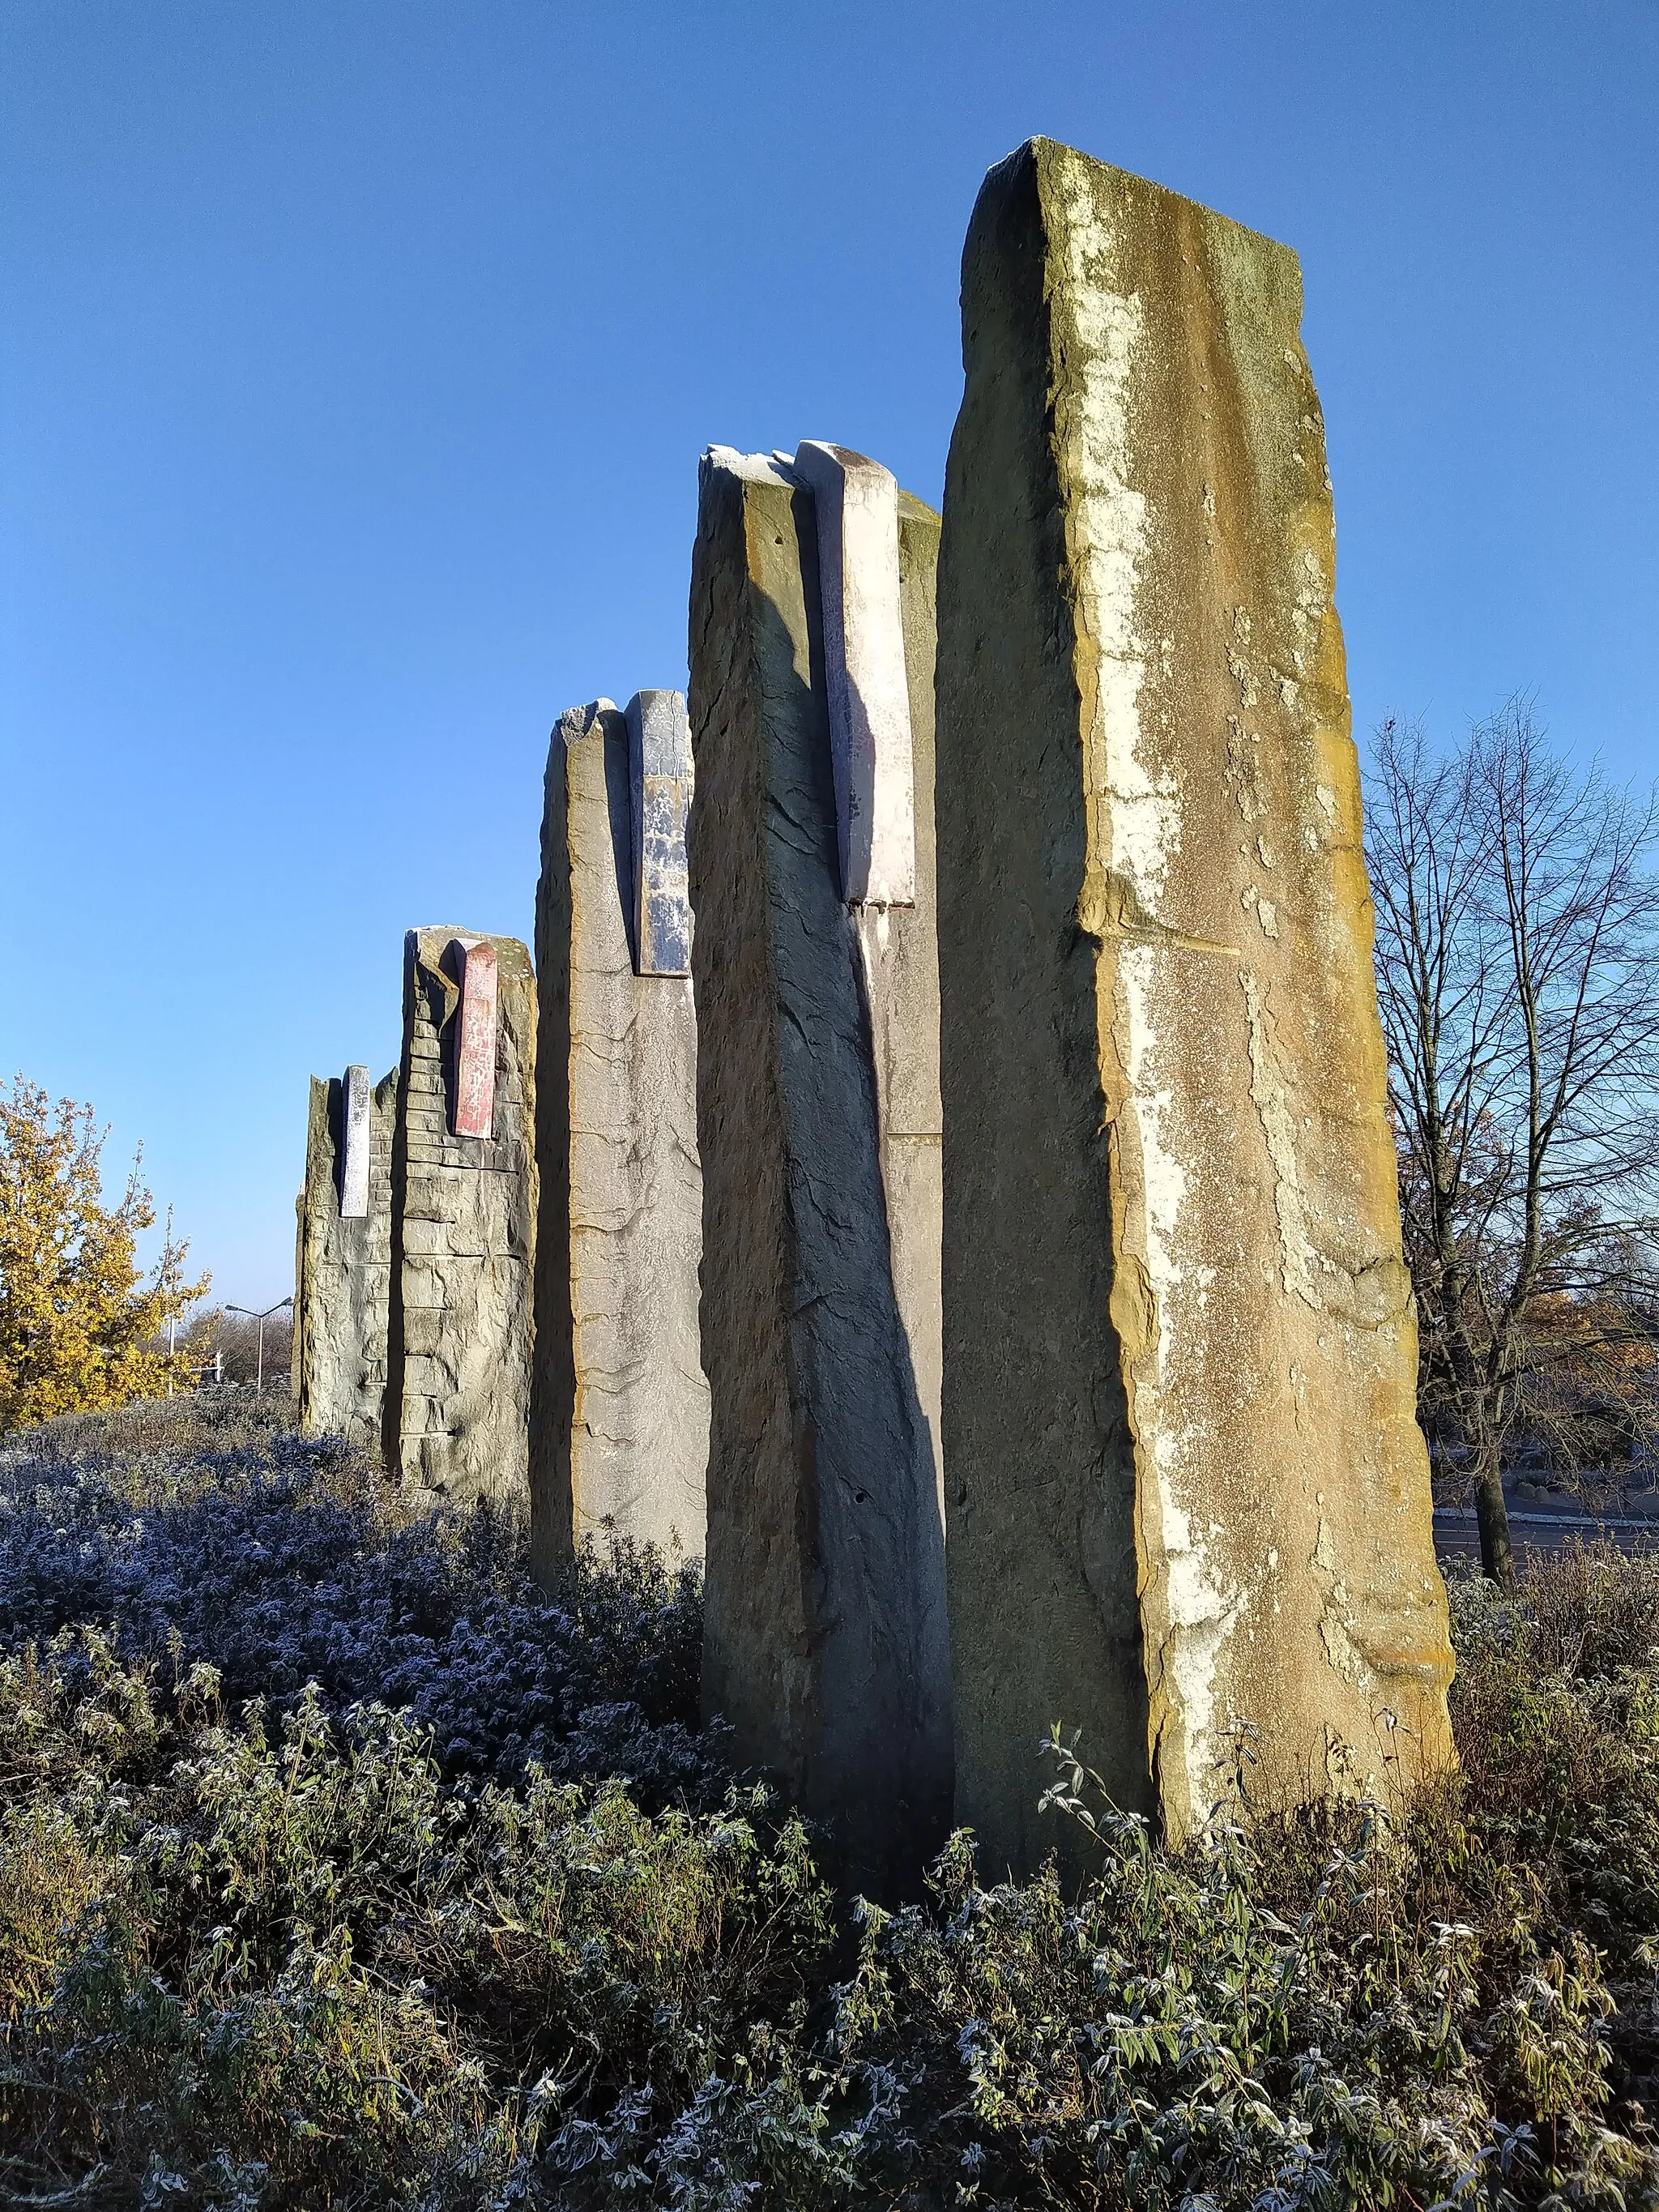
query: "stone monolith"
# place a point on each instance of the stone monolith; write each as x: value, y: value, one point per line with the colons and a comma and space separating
x: 619, y: 1422
x: 818, y: 1119
x: 341, y: 1280
x: 464, y: 1214
x: 1185, y: 1481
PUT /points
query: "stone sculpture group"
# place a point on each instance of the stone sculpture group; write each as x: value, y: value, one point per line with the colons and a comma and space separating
x: 938, y: 1168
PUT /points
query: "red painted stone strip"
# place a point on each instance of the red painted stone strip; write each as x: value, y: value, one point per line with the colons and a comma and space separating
x: 474, y: 1048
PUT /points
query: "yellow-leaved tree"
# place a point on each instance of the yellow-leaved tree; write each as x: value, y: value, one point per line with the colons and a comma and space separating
x: 80, y: 1327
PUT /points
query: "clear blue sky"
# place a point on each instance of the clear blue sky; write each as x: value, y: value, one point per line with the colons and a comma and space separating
x: 356, y: 358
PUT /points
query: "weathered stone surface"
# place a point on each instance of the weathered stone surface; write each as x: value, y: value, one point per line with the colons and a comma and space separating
x: 464, y: 1213
x: 620, y: 1411
x: 1184, y: 1477
x: 818, y: 1119
x: 855, y: 501
x: 342, y: 1276
x: 660, y: 785
x: 475, y: 1043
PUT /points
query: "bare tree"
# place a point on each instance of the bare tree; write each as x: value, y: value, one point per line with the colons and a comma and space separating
x: 229, y: 1343
x: 1518, y: 958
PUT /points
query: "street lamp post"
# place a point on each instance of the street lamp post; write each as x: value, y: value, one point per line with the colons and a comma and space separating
x: 262, y: 1318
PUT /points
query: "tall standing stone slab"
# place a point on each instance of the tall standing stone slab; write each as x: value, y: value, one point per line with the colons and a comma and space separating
x: 342, y: 1278
x: 818, y: 1119
x: 1185, y: 1479
x: 464, y: 1214
x: 620, y: 1413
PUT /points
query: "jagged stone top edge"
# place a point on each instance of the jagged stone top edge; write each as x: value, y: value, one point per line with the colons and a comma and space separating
x: 448, y: 929
x: 778, y: 469
x: 1038, y: 149
x: 391, y: 1076
x: 754, y: 468
x: 576, y: 721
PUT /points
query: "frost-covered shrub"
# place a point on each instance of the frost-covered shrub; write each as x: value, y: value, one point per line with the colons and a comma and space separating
x: 1561, y: 1760
x: 281, y: 1563
x: 308, y: 1950
x: 1264, y: 2020
x: 243, y: 1965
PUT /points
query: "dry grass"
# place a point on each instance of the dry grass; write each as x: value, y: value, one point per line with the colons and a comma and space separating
x: 188, y: 1426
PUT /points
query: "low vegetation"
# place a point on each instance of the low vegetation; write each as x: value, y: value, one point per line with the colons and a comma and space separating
x: 338, y: 1867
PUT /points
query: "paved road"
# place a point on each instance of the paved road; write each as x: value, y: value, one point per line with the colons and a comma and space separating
x: 1456, y: 1536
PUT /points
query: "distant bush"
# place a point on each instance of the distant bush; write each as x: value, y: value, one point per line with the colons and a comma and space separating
x: 313, y: 1952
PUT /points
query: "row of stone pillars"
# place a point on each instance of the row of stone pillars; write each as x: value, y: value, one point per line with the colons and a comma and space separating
x: 941, y: 1171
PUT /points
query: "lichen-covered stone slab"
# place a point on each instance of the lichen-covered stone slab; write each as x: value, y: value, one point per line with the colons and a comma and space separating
x: 343, y: 1275
x: 620, y: 1412
x: 464, y: 1216
x: 817, y: 1121
x: 1185, y: 1479
x: 855, y: 501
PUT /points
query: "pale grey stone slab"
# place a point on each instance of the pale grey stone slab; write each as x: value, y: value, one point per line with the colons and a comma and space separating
x: 620, y: 1407
x: 354, y: 1155
x: 856, y: 506
x: 343, y: 1267
x: 659, y: 784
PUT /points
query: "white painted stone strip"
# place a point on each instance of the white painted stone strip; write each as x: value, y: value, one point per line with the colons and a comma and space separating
x: 659, y: 786
x: 353, y: 1144
x: 857, y: 503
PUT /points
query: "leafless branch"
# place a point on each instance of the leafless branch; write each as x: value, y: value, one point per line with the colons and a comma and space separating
x: 1518, y: 957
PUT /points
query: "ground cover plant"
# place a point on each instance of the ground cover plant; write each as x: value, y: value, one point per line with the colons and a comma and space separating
x: 205, y: 1526
x: 339, y: 1867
